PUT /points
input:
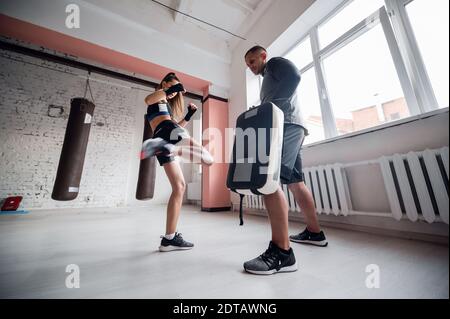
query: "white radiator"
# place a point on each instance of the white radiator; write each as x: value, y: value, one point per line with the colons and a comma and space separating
x: 416, y: 184
x: 328, y: 185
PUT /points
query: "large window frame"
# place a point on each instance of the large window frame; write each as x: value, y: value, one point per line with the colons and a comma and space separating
x: 408, y: 62
x: 411, y: 54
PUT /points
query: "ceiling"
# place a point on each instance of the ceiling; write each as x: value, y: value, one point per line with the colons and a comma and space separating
x: 226, y: 14
x: 235, y: 16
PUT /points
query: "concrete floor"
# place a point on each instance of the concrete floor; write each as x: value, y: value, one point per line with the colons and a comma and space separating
x: 116, y: 251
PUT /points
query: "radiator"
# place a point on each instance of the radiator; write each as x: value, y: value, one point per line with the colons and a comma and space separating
x: 416, y: 184
x: 328, y: 185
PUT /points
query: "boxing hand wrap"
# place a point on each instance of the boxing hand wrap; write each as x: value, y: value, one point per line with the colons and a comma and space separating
x: 191, y: 111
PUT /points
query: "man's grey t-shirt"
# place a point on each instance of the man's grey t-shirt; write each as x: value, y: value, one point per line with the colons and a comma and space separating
x: 281, y: 79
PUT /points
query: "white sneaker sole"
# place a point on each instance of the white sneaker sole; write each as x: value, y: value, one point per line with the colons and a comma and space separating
x: 173, y: 248
x: 292, y: 268
x: 322, y: 243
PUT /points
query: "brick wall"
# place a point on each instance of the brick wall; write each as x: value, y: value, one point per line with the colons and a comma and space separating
x: 31, y: 140
x: 397, y: 106
x: 365, y: 118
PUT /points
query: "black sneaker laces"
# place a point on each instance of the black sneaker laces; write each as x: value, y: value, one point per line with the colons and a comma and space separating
x: 179, y: 238
x: 269, y: 257
x: 305, y: 235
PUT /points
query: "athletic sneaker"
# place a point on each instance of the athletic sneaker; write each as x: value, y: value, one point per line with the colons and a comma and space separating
x: 177, y: 243
x: 307, y: 237
x: 272, y: 261
x: 156, y: 146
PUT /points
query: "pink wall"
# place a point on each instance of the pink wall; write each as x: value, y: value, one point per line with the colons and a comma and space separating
x: 50, y: 39
x: 215, y: 194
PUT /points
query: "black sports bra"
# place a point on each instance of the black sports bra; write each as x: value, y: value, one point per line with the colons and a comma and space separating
x: 158, y: 109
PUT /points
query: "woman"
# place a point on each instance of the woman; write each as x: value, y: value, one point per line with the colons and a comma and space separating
x: 170, y: 139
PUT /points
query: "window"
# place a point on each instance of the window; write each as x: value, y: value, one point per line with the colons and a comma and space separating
x: 301, y: 55
x: 430, y: 23
x: 367, y: 63
x: 349, y: 16
x: 310, y: 107
x: 395, y: 116
x: 361, y: 79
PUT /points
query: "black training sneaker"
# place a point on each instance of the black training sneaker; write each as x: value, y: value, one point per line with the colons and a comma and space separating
x: 307, y: 237
x: 155, y: 146
x: 177, y: 243
x: 272, y: 261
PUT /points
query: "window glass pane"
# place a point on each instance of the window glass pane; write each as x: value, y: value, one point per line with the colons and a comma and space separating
x: 430, y: 22
x: 301, y: 55
x: 347, y: 18
x: 363, y: 84
x: 310, y: 107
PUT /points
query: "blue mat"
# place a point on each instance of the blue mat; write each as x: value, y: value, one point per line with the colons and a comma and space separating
x: 13, y: 212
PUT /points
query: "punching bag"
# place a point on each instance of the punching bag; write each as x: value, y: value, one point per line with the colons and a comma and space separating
x: 147, y: 170
x: 71, y: 162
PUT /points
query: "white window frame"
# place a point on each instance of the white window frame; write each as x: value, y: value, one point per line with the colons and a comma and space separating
x: 411, y: 54
x: 298, y: 43
x: 378, y: 17
x: 326, y: 111
x: 404, y: 50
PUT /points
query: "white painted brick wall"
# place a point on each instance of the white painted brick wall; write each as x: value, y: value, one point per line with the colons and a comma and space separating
x: 31, y: 141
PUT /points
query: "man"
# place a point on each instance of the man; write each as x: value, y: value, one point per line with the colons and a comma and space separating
x: 279, y: 86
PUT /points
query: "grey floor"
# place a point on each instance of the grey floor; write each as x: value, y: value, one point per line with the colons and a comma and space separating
x: 116, y: 251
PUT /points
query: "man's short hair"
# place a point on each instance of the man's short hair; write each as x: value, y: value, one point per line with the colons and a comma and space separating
x: 256, y: 48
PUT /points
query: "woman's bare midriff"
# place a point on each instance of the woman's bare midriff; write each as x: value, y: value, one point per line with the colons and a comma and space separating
x: 157, y: 120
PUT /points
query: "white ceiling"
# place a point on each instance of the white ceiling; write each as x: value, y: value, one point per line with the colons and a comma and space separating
x: 226, y: 14
x: 235, y: 16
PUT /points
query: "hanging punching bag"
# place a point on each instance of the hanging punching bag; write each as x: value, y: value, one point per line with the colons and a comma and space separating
x: 73, y: 151
x: 147, y: 170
